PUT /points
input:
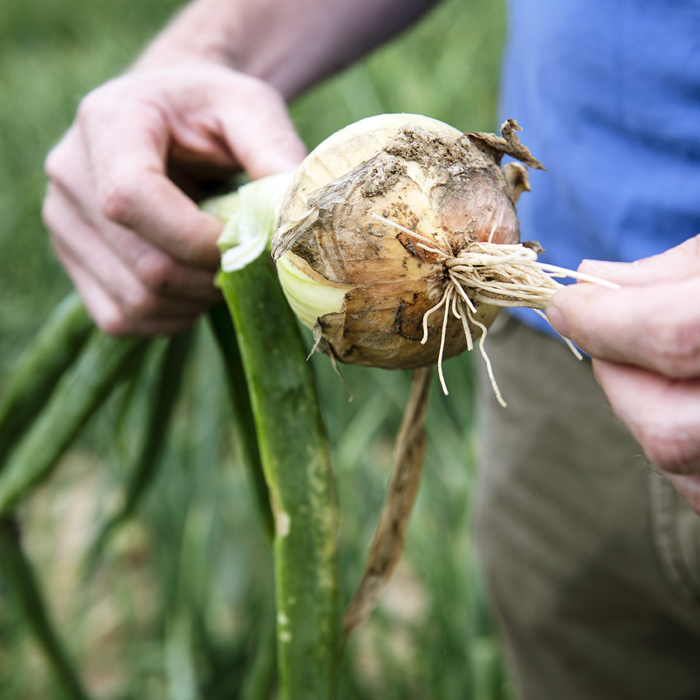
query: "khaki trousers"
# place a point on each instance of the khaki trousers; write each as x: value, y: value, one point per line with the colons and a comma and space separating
x: 591, y: 559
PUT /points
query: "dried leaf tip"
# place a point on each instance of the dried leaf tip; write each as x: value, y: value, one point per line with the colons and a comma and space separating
x: 507, y: 143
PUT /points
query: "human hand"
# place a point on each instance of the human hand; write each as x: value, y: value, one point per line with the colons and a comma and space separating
x: 645, y: 342
x: 140, y: 252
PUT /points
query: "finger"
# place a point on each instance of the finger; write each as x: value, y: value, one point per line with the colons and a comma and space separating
x: 128, y: 158
x: 681, y: 262
x: 154, y: 268
x: 107, y: 315
x: 655, y: 326
x: 663, y: 414
x: 237, y: 120
x: 162, y: 274
x: 68, y: 169
x: 257, y: 127
x: 78, y: 241
x: 135, y: 311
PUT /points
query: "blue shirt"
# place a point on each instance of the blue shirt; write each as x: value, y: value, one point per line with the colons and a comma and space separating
x: 608, y: 95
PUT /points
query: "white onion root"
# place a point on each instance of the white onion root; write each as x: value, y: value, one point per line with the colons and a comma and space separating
x: 495, y: 274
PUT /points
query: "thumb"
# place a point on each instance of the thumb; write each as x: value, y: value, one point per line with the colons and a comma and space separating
x: 257, y: 126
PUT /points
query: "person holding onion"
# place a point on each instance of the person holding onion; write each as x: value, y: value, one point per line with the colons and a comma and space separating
x: 591, y: 551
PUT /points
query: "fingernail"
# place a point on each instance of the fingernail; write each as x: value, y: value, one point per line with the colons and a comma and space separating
x: 556, y: 318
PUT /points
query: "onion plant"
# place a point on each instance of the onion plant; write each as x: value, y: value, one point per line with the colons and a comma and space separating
x: 21, y: 438
x: 396, y: 242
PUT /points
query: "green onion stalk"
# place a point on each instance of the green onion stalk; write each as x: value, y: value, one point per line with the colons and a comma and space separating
x: 293, y: 449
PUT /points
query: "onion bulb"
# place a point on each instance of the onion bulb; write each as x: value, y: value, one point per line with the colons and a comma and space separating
x: 374, y: 224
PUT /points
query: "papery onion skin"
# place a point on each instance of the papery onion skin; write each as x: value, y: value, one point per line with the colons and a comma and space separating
x: 421, y: 174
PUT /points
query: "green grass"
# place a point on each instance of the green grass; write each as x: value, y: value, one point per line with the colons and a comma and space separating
x: 183, y: 595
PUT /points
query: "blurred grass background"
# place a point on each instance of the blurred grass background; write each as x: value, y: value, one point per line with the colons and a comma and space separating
x: 182, y: 597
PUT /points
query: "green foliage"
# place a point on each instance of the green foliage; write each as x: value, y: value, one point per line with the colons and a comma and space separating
x: 180, y: 606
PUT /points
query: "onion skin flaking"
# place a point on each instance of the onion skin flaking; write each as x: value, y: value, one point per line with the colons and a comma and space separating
x: 371, y: 217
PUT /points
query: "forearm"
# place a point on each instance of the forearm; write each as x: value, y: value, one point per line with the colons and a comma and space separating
x: 291, y: 44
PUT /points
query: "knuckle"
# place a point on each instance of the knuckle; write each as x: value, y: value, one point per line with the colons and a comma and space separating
x: 49, y: 213
x: 85, y: 107
x: 60, y: 166
x: 141, y: 305
x: 90, y: 105
x: 115, y: 323
x: 117, y: 200
x: 54, y: 164
x: 155, y: 270
x: 658, y: 448
x: 676, y: 345
x: 113, y: 326
x: 670, y: 449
